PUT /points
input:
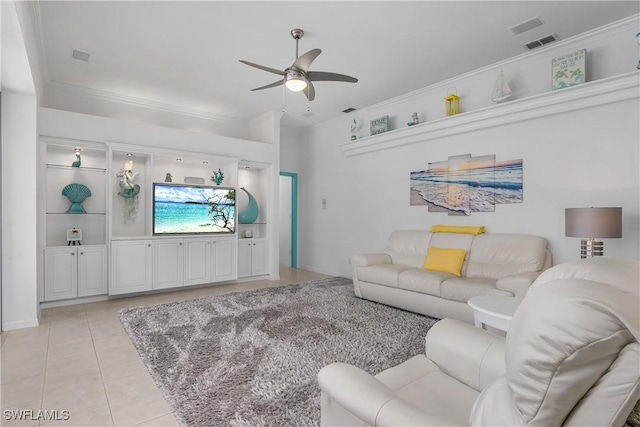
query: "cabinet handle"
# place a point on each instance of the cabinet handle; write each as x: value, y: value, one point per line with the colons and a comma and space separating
x: 180, y: 244
x: 72, y: 253
x: 149, y: 245
x: 81, y: 253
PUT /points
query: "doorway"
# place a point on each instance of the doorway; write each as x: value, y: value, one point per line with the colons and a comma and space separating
x: 289, y: 219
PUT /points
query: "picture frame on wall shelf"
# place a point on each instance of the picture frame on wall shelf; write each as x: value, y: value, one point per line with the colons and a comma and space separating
x: 569, y: 70
x: 379, y: 125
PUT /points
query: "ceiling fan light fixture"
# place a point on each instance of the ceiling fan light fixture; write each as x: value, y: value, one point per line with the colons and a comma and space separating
x: 295, y: 81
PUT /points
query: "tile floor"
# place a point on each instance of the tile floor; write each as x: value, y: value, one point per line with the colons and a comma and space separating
x: 80, y: 360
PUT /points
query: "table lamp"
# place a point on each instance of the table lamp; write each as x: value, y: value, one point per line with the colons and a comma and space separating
x: 591, y: 224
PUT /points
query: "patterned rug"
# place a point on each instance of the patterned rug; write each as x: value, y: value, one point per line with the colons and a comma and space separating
x: 251, y: 358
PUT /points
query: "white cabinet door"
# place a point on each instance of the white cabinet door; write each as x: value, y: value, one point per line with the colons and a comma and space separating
x: 131, y: 266
x: 224, y: 260
x: 259, y: 258
x: 197, y: 261
x: 168, y: 259
x: 252, y: 257
x: 92, y: 270
x: 244, y: 257
x: 61, y: 273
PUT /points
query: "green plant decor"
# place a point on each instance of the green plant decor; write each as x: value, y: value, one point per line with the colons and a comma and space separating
x: 217, y: 177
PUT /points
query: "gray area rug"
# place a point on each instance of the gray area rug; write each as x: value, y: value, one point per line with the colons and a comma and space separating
x: 251, y: 358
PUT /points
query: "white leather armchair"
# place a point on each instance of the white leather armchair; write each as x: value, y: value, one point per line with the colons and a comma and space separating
x: 570, y: 358
x: 436, y: 389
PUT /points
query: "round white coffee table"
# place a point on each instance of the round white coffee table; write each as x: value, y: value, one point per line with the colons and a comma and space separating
x: 494, y: 311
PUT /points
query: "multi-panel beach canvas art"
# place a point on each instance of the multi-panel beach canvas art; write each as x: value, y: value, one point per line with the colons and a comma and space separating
x: 465, y: 184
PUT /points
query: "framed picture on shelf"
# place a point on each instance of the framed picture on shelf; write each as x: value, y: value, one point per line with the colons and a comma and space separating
x: 379, y: 125
x: 74, y: 235
x: 569, y: 70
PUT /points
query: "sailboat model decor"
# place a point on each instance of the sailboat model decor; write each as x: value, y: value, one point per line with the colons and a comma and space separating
x: 501, y: 90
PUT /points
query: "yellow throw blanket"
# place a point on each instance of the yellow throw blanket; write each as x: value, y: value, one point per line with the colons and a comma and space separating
x: 463, y: 229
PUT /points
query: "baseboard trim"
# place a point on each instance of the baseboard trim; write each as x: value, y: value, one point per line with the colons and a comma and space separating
x: 19, y: 324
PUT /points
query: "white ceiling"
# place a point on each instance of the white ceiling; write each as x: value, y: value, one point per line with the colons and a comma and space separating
x: 184, y: 55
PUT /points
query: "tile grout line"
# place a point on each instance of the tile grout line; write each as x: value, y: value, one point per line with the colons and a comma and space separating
x: 44, y: 376
x: 104, y: 387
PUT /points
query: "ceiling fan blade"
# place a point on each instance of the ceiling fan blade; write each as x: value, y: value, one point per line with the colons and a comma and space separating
x: 304, y: 61
x: 262, y: 67
x: 320, y: 76
x: 274, y: 84
x: 310, y: 91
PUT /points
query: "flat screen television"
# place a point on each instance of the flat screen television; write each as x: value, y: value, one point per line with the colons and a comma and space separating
x: 193, y: 209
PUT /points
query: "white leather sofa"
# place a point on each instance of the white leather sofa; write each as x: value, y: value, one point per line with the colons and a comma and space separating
x: 570, y: 358
x: 495, y: 264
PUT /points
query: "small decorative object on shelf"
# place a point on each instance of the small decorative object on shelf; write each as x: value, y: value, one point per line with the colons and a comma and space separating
x: 129, y: 190
x: 74, y: 236
x: 569, y: 70
x: 250, y: 213
x: 354, y: 128
x: 501, y: 90
x: 168, y: 178
x: 414, y: 118
x: 248, y: 234
x: 217, y: 176
x: 78, y: 161
x: 379, y: 125
x: 451, y: 102
x: 193, y: 180
x: 76, y: 193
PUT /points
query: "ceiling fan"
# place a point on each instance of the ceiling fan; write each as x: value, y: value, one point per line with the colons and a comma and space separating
x: 297, y: 77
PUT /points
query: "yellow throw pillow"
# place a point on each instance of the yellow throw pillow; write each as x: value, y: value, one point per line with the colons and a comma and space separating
x: 445, y: 260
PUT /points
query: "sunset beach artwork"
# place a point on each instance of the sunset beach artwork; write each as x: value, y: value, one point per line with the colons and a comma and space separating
x: 464, y: 184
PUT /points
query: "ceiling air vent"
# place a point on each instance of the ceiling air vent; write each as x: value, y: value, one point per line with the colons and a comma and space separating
x: 348, y: 110
x: 541, y: 41
x: 80, y: 56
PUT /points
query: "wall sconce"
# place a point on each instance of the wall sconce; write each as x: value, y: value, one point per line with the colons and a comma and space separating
x: 451, y: 103
x: 593, y: 223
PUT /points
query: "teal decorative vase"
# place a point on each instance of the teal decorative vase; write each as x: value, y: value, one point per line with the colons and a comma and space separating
x: 76, y: 193
x: 250, y: 213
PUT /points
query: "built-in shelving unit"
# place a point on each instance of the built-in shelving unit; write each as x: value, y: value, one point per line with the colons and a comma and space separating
x: 599, y: 92
x: 119, y: 254
x: 77, y: 268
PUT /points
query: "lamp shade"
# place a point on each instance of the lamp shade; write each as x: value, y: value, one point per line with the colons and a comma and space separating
x: 599, y: 223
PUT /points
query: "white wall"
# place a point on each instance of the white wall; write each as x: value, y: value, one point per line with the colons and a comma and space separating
x: 19, y: 142
x: 291, y: 145
x: 579, y: 158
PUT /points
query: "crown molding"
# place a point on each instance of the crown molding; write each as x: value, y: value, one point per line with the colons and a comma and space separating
x: 571, y: 99
x: 39, y: 35
x: 146, y: 103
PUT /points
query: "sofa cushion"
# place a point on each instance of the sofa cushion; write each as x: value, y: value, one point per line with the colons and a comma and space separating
x: 421, y: 383
x: 386, y: 274
x: 446, y: 260
x: 408, y: 247
x: 497, y: 255
x: 424, y: 282
x: 462, y: 289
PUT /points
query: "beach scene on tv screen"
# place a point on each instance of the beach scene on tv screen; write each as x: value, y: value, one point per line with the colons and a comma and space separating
x: 180, y: 209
